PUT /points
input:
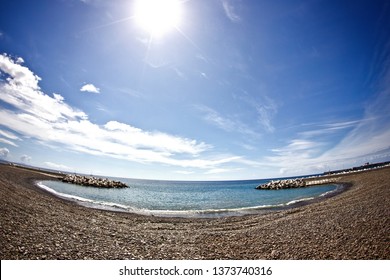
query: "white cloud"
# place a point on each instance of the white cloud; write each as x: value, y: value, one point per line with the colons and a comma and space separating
x: 230, y: 11
x: 218, y: 171
x: 21, y: 76
x: 4, y: 153
x: 184, y: 172
x: 25, y: 158
x: 90, y: 88
x: 19, y: 60
x: 49, y: 120
x: 21, y: 90
x: 117, y: 126
x: 57, y: 166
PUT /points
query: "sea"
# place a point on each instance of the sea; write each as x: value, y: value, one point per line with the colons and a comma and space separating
x: 203, y: 199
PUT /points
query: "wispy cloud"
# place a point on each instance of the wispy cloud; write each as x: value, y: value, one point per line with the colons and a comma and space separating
x: 230, y: 11
x: 9, y: 135
x: 230, y: 125
x: 95, y: 2
x: 265, y: 107
x: 184, y: 172
x: 222, y: 170
x: 265, y: 116
x: 8, y: 142
x: 318, y: 129
x: 50, y: 120
x: 296, y: 146
x: 57, y: 166
x: 90, y: 88
x: 179, y: 73
x: 365, y: 140
x: 295, y: 156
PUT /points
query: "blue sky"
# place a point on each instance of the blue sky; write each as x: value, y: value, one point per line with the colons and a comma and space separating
x: 229, y: 89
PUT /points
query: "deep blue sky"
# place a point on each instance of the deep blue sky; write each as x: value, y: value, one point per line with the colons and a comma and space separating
x: 235, y: 90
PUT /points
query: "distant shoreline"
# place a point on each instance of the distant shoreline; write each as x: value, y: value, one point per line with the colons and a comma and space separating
x: 354, y: 224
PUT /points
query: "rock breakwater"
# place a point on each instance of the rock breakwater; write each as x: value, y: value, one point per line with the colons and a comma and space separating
x: 92, y: 181
x: 282, y: 184
x: 295, y: 183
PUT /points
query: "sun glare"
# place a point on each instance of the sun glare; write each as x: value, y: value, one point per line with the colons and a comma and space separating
x: 158, y: 16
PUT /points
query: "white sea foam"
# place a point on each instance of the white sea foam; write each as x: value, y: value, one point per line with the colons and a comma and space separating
x: 299, y: 200
x: 85, y: 201
x: 311, y: 198
x: 63, y: 195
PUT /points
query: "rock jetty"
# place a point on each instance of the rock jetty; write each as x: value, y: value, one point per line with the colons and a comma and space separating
x: 282, y: 184
x: 92, y: 181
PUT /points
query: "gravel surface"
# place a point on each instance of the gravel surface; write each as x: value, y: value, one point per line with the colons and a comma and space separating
x: 351, y: 225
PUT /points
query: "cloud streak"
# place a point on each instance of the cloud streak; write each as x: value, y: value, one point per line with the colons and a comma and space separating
x: 230, y: 11
x: 57, y: 166
x: 265, y: 107
x: 8, y: 142
x: 229, y: 125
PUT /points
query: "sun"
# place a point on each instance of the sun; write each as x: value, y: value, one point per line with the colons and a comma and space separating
x: 158, y: 17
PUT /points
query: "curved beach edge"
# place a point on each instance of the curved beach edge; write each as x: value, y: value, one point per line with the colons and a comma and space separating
x: 354, y: 224
x: 207, y: 213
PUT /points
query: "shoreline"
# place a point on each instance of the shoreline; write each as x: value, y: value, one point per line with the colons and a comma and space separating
x: 354, y: 224
x: 196, y: 214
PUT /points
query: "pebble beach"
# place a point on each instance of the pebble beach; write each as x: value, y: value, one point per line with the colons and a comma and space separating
x: 354, y: 224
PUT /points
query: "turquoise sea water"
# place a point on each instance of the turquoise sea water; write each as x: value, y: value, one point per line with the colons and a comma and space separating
x: 179, y: 198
